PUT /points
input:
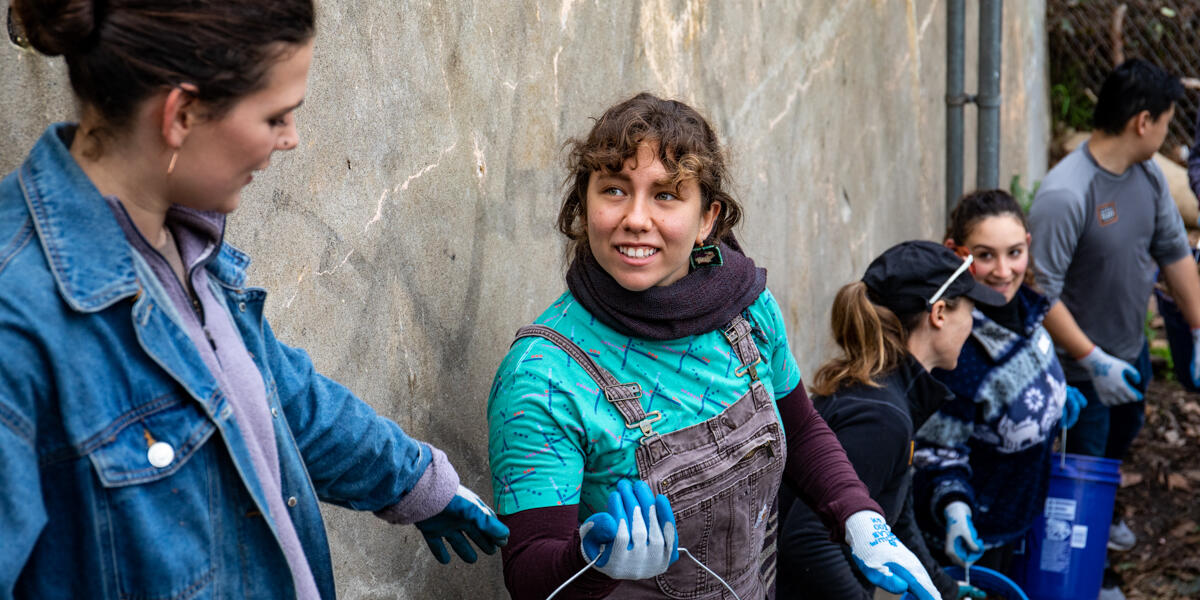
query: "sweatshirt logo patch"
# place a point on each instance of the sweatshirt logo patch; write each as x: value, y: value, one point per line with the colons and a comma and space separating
x: 1107, y: 213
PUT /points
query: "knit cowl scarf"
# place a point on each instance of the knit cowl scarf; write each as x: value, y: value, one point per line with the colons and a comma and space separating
x: 705, y: 299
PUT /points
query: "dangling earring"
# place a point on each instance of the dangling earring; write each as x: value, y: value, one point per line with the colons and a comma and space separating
x: 171, y: 165
x: 706, y: 256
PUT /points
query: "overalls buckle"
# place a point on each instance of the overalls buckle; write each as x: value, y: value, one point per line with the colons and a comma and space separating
x: 647, y: 425
x: 742, y: 370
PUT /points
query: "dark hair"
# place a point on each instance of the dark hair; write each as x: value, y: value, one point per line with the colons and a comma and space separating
x: 687, y: 146
x: 977, y: 206
x: 873, y: 339
x: 120, y: 52
x: 1135, y: 85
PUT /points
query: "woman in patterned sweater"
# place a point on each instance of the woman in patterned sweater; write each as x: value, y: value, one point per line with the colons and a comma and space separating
x: 983, y: 460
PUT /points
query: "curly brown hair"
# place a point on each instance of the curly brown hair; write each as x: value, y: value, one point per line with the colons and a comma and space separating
x: 687, y: 147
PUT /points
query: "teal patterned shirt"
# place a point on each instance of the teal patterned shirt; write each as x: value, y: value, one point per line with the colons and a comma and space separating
x: 555, y: 440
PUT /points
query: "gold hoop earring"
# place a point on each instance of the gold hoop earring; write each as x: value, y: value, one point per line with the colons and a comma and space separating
x: 171, y: 165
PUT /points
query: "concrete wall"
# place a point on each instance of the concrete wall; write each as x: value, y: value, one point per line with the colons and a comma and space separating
x: 412, y: 232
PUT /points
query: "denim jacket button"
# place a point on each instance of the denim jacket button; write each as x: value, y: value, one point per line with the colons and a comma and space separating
x: 242, y: 306
x: 291, y: 500
x: 160, y: 454
x: 274, y: 412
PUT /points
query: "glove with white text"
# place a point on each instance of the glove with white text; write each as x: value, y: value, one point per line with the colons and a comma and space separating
x: 885, y: 561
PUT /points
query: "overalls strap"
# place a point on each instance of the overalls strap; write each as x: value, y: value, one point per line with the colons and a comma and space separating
x: 624, y: 396
x: 740, y: 334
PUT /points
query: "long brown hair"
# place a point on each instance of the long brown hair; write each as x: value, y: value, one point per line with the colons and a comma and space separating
x: 873, y: 340
x: 687, y: 147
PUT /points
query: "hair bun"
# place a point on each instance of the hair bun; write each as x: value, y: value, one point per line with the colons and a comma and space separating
x: 55, y: 27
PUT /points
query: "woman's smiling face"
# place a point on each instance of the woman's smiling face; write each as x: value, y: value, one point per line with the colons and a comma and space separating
x: 641, y: 226
x: 1000, y: 245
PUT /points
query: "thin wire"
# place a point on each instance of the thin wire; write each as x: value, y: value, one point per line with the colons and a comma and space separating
x: 574, y: 577
x: 681, y: 551
x: 710, y: 572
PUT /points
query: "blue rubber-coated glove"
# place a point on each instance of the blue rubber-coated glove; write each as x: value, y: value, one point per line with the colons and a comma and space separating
x: 1071, y: 408
x: 884, y: 560
x: 466, y: 516
x: 963, y: 545
x: 635, y: 538
x: 1195, y: 370
x: 1115, y: 380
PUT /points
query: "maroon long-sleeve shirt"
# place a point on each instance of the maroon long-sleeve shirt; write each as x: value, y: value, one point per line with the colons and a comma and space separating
x: 543, y: 547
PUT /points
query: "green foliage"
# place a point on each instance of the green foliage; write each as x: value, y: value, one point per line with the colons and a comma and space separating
x: 1070, y: 105
x: 1146, y: 328
x: 1023, y: 196
x: 1161, y: 352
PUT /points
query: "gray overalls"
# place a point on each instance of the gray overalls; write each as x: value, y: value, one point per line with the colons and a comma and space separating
x: 721, y: 476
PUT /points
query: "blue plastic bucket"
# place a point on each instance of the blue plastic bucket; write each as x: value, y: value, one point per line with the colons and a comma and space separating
x: 1064, y: 551
x: 992, y: 582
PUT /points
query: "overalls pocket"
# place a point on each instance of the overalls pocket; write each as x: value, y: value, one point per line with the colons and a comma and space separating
x: 723, y: 503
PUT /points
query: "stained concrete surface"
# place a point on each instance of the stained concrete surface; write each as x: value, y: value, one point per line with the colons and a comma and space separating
x: 413, y: 230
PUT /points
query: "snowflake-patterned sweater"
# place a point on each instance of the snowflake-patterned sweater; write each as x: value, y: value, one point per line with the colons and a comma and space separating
x: 990, y: 446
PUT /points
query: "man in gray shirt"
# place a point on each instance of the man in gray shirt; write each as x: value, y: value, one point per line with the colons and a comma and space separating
x: 1102, y: 219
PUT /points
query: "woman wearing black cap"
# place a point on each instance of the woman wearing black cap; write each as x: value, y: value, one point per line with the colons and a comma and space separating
x: 910, y: 313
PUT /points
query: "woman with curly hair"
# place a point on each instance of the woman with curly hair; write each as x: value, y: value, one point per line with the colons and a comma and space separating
x: 643, y: 425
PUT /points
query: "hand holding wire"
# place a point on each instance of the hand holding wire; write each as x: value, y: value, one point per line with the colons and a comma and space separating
x: 962, y: 543
x: 635, y: 538
x: 1075, y: 403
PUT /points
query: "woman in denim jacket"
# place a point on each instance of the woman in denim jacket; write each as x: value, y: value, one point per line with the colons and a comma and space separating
x: 983, y: 460
x: 156, y: 439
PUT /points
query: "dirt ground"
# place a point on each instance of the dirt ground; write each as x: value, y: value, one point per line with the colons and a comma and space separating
x: 1160, y: 496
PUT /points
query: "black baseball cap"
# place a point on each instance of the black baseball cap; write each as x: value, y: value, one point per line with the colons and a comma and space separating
x: 910, y: 276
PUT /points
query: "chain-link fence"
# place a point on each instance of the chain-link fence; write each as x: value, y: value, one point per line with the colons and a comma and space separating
x: 1089, y: 37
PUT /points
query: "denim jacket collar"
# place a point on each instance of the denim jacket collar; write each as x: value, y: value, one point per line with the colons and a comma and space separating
x: 90, y: 259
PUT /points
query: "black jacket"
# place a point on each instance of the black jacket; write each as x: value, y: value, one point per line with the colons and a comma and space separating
x: 875, y: 425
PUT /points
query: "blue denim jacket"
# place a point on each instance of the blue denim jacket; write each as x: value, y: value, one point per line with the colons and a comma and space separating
x: 93, y: 370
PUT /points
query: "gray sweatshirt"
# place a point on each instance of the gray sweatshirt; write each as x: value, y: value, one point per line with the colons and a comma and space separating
x: 1097, y: 237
